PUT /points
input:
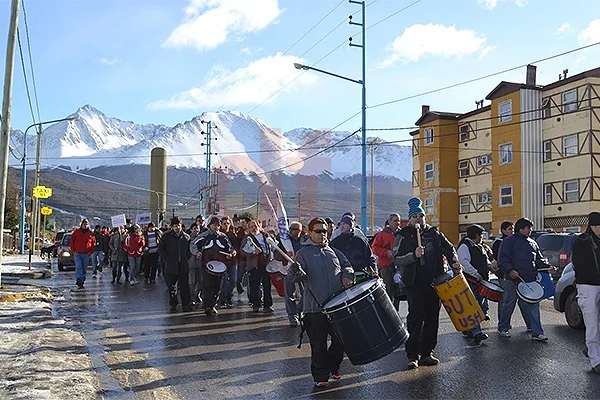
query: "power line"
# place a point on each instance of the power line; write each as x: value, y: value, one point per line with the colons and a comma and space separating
x: 484, y: 76
x: 25, y: 75
x: 37, y: 104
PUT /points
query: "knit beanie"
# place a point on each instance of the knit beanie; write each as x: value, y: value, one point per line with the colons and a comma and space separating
x: 348, y: 221
x: 415, y: 207
x: 594, y: 219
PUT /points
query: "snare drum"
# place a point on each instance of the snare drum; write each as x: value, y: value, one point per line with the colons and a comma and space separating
x: 490, y: 291
x: 365, y: 321
x: 216, y: 268
x: 530, y: 292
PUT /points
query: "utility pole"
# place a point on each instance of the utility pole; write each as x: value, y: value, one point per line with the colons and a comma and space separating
x: 299, y: 203
x: 6, y: 114
x: 36, y: 209
x: 363, y: 142
x: 208, y: 143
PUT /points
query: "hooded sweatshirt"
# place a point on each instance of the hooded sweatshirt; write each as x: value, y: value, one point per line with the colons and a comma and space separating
x: 321, y: 268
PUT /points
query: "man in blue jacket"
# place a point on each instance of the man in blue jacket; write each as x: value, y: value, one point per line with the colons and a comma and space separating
x: 520, y: 258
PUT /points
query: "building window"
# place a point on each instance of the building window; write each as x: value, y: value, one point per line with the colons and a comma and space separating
x: 463, y: 133
x: 465, y: 204
x: 505, y: 111
x: 506, y: 196
x: 484, y: 198
x: 428, y: 136
x: 569, y: 100
x: 484, y: 160
x: 506, y: 153
x: 428, y: 171
x: 571, y: 191
x: 546, y: 108
x: 547, y: 194
x: 415, y: 178
x: 429, y: 206
x: 463, y: 168
x: 570, y: 145
x: 415, y: 147
x: 548, y: 150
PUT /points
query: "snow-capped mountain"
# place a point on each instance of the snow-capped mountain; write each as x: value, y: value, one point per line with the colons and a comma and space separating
x: 243, y: 144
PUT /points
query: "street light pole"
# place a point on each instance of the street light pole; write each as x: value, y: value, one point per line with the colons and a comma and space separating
x: 24, y: 176
x: 199, y: 188
x: 362, y: 82
x: 258, y: 198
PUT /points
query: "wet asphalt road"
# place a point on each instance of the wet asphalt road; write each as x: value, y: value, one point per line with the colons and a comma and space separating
x: 142, y: 350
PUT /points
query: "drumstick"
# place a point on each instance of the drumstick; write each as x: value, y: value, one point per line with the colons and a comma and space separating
x: 224, y: 253
x: 418, y: 228
x: 526, y: 283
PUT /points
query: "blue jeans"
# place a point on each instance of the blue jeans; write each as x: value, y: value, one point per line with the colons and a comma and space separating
x: 293, y: 306
x: 228, y: 284
x: 97, y: 261
x: 526, y: 318
x: 483, y: 303
x: 81, y: 262
x: 134, y: 267
x: 530, y: 311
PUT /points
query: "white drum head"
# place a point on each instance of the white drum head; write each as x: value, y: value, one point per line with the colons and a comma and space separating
x: 274, y: 266
x: 216, y: 266
x: 350, y: 293
x: 531, y: 291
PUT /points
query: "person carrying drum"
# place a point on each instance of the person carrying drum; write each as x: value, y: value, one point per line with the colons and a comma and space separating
x: 355, y: 248
x: 324, y: 272
x: 256, y: 252
x: 293, y: 306
x: 212, y: 245
x: 419, y: 261
x: 476, y: 263
x: 174, y: 250
x: 519, y: 259
x: 586, y: 253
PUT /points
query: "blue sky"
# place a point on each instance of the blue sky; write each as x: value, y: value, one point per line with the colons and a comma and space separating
x: 166, y: 61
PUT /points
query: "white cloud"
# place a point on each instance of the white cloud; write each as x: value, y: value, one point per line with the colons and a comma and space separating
x: 591, y: 34
x: 108, y: 62
x: 210, y: 23
x: 252, y: 84
x: 564, y: 29
x: 420, y: 40
x: 249, y: 51
x: 491, y: 4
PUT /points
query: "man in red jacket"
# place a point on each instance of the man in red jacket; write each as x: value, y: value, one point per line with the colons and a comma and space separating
x: 82, y: 244
x: 383, y: 247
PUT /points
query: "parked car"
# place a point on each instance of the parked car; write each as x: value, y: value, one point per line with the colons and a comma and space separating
x: 565, y: 299
x: 65, y: 255
x: 557, y: 248
x: 57, y: 242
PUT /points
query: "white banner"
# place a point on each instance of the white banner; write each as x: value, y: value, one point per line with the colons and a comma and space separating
x: 118, y: 220
x: 143, y: 218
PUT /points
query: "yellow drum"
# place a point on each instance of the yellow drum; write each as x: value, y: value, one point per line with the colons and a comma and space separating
x: 458, y: 300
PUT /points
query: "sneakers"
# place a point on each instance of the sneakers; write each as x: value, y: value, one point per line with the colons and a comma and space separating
x: 467, y: 334
x: 412, y: 364
x: 487, y: 317
x: 539, y: 338
x: 429, y: 361
x: 269, y: 310
x: 94, y: 276
x: 321, y: 384
x: 338, y: 376
x: 480, y: 337
x: 255, y: 309
x: 79, y: 284
x: 293, y: 323
x: 211, y: 311
x: 504, y: 334
x: 173, y: 308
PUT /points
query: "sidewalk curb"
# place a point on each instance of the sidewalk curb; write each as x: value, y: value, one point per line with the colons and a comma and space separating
x: 34, y: 274
x: 10, y: 297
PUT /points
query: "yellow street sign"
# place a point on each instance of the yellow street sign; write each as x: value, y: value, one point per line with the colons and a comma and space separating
x: 42, y: 192
x: 46, y: 211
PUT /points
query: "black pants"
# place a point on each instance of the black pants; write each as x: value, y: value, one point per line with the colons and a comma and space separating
x: 257, y: 276
x: 211, y: 287
x: 117, y: 270
x: 423, y: 321
x: 387, y: 274
x: 323, y: 360
x: 178, y: 283
x: 151, y: 266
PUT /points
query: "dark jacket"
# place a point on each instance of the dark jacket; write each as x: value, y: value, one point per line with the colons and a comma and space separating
x: 523, y: 255
x: 174, y: 251
x: 101, y: 243
x: 356, y: 250
x: 476, y: 258
x: 496, y: 250
x: 252, y: 260
x: 586, y: 258
x: 417, y: 272
x: 213, y: 245
x: 321, y: 268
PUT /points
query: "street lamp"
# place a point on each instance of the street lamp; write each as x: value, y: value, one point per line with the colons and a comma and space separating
x: 24, y: 175
x: 363, y: 141
x: 258, y: 199
x: 199, y: 187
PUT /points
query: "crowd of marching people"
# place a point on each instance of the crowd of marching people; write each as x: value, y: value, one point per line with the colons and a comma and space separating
x: 207, y: 263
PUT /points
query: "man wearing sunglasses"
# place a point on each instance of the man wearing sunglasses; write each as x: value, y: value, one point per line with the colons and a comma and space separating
x: 324, y: 271
x: 419, y: 265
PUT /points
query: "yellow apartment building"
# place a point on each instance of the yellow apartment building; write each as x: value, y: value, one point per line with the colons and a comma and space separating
x: 533, y: 151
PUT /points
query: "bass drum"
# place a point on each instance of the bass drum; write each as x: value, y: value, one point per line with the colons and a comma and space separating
x: 366, y: 322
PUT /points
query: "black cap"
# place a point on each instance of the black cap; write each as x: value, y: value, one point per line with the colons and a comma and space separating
x: 175, y: 220
x: 594, y: 219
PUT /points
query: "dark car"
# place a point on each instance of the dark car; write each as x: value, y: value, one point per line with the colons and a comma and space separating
x: 57, y: 242
x: 65, y: 255
x: 557, y: 248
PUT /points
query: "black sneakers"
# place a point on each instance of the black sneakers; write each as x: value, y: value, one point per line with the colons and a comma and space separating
x: 79, y: 284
